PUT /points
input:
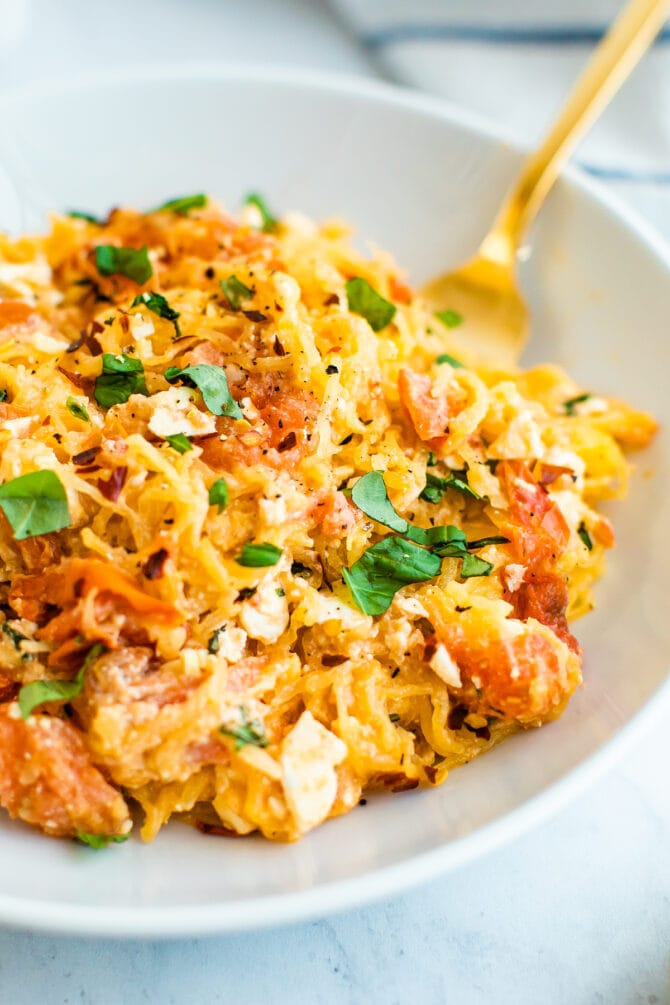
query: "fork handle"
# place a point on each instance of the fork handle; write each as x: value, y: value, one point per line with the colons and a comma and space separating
x: 616, y: 55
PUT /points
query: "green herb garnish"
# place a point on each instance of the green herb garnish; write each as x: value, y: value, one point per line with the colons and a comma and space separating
x: 212, y: 384
x: 182, y: 205
x: 15, y: 637
x: 179, y: 442
x: 3, y: 394
x: 446, y: 357
x: 570, y: 405
x: 35, y: 504
x: 484, y: 542
x: 76, y: 214
x: 76, y: 408
x: 586, y: 538
x: 249, y: 731
x: 384, y: 569
x: 41, y: 691
x: 269, y: 220
x: 259, y: 556
x: 158, y: 305
x: 215, y: 641
x: 370, y: 495
x: 394, y: 717
x: 218, y: 494
x: 452, y: 319
x: 364, y: 300
x: 133, y: 263
x: 435, y: 487
x: 236, y: 292
x: 120, y: 377
x: 98, y: 841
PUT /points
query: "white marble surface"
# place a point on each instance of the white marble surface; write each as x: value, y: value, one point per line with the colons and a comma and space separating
x: 578, y: 911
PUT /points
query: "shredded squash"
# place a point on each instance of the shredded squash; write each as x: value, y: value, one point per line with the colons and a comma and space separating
x: 280, y: 546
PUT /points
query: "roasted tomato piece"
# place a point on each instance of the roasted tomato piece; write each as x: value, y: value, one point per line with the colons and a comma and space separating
x: 519, y: 672
x: 47, y: 778
x: 545, y: 598
x: 429, y: 415
x: 536, y: 525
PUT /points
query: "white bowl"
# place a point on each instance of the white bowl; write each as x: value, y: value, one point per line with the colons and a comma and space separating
x: 423, y: 180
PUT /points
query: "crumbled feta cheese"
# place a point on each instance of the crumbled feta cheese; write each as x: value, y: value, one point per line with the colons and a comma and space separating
x: 513, y: 575
x: 19, y: 427
x: 47, y: 343
x: 174, y: 411
x: 308, y: 758
x: 521, y: 438
x: 273, y: 511
x: 265, y: 615
x: 444, y: 666
x: 232, y: 643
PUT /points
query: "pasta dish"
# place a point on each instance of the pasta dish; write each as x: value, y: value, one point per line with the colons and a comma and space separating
x: 266, y: 543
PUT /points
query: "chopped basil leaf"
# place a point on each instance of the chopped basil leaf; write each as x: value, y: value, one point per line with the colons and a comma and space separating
x: 369, y: 494
x: 569, y: 405
x: 76, y: 408
x: 587, y: 540
x: 98, y: 841
x: 452, y: 319
x: 236, y: 292
x: 394, y: 717
x: 280, y: 591
x: 41, y: 691
x: 258, y: 556
x: 483, y: 542
x: 3, y: 394
x: 158, y: 305
x: 120, y: 377
x: 269, y: 221
x: 212, y: 384
x: 134, y: 263
x: 249, y: 731
x: 16, y: 638
x: 182, y: 205
x: 432, y: 460
x: 435, y: 487
x: 446, y: 357
x: 78, y: 215
x: 215, y: 641
x: 364, y: 300
x: 474, y: 566
x: 35, y: 504
x: 179, y: 442
x: 218, y: 494
x: 384, y: 569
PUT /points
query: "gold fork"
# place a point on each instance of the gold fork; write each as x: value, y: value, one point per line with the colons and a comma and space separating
x: 484, y: 291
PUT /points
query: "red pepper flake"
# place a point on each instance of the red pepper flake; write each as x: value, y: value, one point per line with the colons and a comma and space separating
x: 288, y: 442
x: 77, y: 344
x: 124, y: 322
x: 429, y: 648
x: 331, y: 300
x: 154, y: 567
x: 278, y: 347
x: 333, y: 661
x: 86, y: 456
x: 457, y: 716
x: 79, y: 381
x: 111, y: 489
x: 255, y: 315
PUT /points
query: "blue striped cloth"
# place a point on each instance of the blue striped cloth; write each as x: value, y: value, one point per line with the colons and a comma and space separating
x: 514, y: 61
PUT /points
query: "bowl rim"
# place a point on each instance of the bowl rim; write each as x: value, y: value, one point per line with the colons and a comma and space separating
x: 284, y: 908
